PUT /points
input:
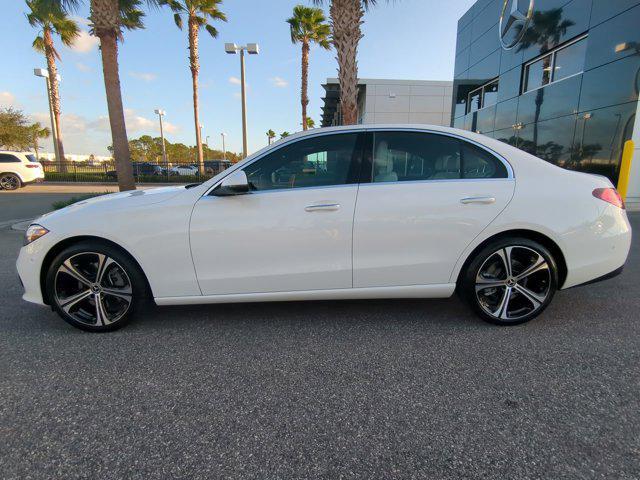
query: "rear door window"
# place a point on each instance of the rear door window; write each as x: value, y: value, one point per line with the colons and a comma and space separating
x: 8, y: 158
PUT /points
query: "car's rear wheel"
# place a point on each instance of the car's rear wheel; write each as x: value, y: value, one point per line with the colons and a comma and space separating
x: 95, y: 287
x: 10, y: 181
x: 510, y: 281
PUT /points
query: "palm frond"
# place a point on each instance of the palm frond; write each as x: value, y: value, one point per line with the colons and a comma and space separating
x: 177, y: 18
x: 38, y: 44
x: 212, y: 30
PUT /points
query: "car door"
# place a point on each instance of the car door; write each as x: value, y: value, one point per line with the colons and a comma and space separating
x: 424, y: 198
x: 293, y: 231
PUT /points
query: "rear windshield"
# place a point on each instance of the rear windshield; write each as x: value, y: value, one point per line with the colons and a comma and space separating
x: 31, y: 157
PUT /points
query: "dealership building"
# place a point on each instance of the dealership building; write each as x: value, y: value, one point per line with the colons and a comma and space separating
x: 392, y: 101
x: 557, y: 78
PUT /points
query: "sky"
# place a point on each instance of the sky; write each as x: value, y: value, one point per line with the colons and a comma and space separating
x: 403, y: 39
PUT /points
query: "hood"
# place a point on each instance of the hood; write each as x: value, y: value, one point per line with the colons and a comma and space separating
x: 132, y: 199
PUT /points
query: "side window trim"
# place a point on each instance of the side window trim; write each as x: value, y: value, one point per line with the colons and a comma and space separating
x: 461, y: 139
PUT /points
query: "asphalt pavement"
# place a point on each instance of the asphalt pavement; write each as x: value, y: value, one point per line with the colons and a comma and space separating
x: 352, y: 389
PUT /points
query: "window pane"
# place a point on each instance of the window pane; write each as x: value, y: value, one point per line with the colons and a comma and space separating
x: 538, y: 73
x: 31, y: 157
x: 8, y: 158
x: 490, y: 94
x: 475, y: 98
x: 406, y: 156
x: 314, y: 162
x: 570, y: 60
x: 479, y: 163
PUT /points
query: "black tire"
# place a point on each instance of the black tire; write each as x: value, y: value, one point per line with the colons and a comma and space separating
x: 10, y: 181
x: 86, y: 254
x: 543, y: 281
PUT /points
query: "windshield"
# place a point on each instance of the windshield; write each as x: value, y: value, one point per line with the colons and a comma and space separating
x: 31, y: 157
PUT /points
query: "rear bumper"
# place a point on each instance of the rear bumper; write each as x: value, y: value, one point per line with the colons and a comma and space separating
x: 602, y: 278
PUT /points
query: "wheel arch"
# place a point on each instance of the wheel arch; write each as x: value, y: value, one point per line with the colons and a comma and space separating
x: 67, y: 242
x: 17, y: 174
x: 541, y: 238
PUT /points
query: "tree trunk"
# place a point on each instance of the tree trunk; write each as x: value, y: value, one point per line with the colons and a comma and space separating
x: 195, y: 68
x: 346, y: 19
x: 55, y: 93
x: 121, y: 153
x: 304, y: 98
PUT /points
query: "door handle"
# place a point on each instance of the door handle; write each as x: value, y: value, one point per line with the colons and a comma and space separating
x: 322, y: 206
x: 480, y: 200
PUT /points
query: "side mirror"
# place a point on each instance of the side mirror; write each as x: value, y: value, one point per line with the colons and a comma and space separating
x: 234, y: 184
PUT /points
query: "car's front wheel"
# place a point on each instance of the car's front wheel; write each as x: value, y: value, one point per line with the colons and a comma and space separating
x: 95, y: 286
x: 510, y: 281
x: 10, y: 181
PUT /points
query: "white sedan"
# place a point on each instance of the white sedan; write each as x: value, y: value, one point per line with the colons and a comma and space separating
x: 187, y: 170
x: 338, y: 213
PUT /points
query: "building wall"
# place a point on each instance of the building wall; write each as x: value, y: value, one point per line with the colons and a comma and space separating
x: 400, y: 101
x: 579, y: 122
x: 406, y: 101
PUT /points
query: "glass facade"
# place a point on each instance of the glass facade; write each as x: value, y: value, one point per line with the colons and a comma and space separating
x: 567, y: 91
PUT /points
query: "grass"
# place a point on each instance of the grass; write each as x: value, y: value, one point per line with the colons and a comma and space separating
x: 65, y: 203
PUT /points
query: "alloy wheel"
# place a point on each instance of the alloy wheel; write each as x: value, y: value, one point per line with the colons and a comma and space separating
x: 93, y: 289
x: 513, y: 282
x: 9, y: 182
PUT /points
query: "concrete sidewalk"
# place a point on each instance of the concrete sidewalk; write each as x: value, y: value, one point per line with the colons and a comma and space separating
x: 69, y: 187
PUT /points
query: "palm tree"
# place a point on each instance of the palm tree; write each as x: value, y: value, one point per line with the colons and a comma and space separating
x: 284, y: 134
x: 38, y: 132
x: 346, y: 18
x: 52, y: 19
x: 310, y: 123
x: 199, y: 13
x: 271, y: 135
x: 108, y: 18
x: 308, y: 25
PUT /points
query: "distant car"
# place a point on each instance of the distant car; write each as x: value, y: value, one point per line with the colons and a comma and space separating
x: 19, y: 168
x: 141, y: 169
x: 358, y: 212
x: 214, y: 167
x: 184, y: 170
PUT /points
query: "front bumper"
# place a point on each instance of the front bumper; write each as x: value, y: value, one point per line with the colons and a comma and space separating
x: 29, y: 266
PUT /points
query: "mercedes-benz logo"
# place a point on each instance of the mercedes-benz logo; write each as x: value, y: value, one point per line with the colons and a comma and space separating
x: 514, y: 20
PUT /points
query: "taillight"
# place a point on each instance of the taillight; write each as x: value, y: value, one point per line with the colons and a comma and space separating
x: 30, y: 165
x: 610, y: 195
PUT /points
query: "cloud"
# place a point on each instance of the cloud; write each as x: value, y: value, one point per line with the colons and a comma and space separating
x: 83, y: 67
x: 135, y: 124
x: 85, y: 42
x: 7, y: 99
x: 235, y: 80
x: 144, y: 76
x: 279, y: 82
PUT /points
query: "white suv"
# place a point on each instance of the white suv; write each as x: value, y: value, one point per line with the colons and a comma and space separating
x: 18, y: 169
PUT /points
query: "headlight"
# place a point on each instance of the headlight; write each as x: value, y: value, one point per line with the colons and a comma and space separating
x: 34, y: 232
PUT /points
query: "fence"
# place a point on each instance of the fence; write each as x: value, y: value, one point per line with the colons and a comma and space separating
x: 171, y: 172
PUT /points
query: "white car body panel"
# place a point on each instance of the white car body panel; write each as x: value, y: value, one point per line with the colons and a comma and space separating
x: 287, y: 248
x: 400, y: 228
x: 26, y: 174
x: 161, y: 228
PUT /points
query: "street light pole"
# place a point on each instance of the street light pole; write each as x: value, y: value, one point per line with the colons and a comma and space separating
x: 224, y: 147
x: 161, y: 114
x: 41, y: 72
x: 251, y: 49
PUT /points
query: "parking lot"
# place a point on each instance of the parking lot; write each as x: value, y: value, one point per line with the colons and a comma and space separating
x: 355, y: 389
